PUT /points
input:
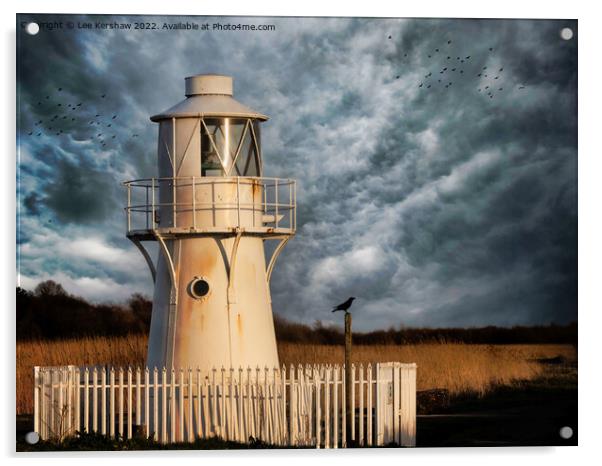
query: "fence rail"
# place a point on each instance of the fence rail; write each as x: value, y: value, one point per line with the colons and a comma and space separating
x: 296, y: 405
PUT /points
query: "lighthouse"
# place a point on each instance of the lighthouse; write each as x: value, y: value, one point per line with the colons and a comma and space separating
x: 211, y: 211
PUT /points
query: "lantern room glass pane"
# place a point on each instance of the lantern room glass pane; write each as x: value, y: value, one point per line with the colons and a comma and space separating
x: 221, y: 138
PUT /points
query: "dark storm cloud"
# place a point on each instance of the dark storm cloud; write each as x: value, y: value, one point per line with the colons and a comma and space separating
x: 438, y: 206
x: 80, y: 195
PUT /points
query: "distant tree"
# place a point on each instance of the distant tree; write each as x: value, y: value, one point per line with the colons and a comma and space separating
x: 50, y: 288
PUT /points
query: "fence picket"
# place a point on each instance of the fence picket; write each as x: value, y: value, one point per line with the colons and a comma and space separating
x: 361, y: 413
x: 130, y: 420
x: 86, y: 400
x: 369, y: 416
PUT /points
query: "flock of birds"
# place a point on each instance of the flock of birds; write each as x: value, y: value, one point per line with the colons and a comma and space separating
x: 461, y: 67
x: 66, y: 115
x: 458, y: 67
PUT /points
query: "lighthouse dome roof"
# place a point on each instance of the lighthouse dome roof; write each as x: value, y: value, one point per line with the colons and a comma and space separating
x: 209, y: 95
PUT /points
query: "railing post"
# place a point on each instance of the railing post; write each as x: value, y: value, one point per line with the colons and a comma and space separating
x: 129, y: 221
x: 290, y: 203
x: 193, y: 203
x: 174, y: 202
x: 238, y: 198
x: 146, y: 205
x: 153, y: 201
x: 276, y: 201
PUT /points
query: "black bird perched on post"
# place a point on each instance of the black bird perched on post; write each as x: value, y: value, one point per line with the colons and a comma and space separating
x: 344, y: 306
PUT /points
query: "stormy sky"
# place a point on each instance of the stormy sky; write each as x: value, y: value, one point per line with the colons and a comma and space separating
x: 435, y: 205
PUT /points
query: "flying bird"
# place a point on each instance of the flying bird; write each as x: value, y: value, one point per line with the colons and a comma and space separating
x: 103, y: 96
x: 521, y: 87
x: 344, y: 306
x: 491, y: 49
x: 449, y: 41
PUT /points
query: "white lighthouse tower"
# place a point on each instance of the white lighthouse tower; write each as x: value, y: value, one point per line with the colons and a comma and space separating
x: 210, y: 210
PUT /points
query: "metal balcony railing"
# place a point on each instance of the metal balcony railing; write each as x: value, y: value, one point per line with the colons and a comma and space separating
x: 195, y: 204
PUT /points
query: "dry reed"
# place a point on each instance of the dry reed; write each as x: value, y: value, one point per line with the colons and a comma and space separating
x: 454, y: 366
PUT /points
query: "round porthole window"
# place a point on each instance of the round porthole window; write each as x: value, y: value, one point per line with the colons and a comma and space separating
x: 199, y: 287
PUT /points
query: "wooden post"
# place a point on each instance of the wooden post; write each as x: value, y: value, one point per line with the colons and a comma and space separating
x: 348, y: 382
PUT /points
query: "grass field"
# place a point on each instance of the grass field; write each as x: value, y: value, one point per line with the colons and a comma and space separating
x: 457, y: 367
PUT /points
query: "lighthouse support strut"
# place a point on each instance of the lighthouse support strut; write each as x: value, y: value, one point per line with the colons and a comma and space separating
x: 275, y: 255
x: 173, y: 300
x: 146, y: 256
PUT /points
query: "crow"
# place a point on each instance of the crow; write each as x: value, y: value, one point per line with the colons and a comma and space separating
x: 344, y: 306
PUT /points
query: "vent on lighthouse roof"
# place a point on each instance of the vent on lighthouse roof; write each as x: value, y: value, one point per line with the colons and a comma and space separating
x: 209, y: 95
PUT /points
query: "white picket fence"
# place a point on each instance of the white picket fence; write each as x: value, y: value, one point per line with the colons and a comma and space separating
x: 294, y: 406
